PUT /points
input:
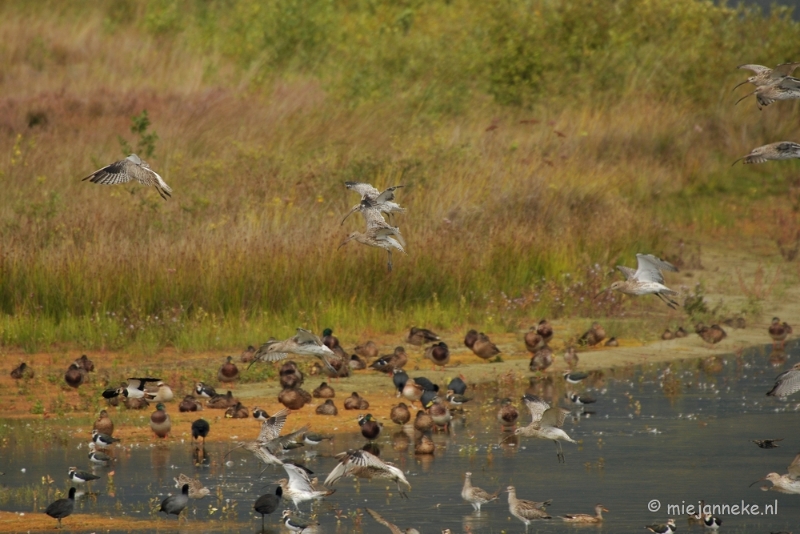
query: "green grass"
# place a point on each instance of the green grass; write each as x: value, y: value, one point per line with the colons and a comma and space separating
x: 535, y: 140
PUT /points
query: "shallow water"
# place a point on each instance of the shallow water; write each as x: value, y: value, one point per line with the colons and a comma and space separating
x: 676, y: 436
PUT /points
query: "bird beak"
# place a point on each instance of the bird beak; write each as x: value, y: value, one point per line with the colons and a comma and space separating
x: 230, y: 451
x: 737, y: 161
x: 739, y: 85
x: 603, y: 291
x: 344, y: 242
x: 756, y: 482
x: 745, y: 96
x: 349, y: 213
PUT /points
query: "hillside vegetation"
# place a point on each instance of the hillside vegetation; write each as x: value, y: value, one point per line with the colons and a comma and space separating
x: 539, y: 142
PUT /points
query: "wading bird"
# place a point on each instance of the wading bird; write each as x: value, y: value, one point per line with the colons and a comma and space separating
x: 475, y: 495
x: 298, y: 488
x: 379, y: 233
x: 545, y: 424
x: 131, y: 168
x: 646, y: 279
x: 765, y: 75
x: 787, y: 88
x: 525, y: 510
x: 772, y: 151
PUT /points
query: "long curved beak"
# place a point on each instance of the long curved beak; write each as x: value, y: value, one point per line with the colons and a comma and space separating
x: 233, y: 449
x: 737, y: 161
x: 603, y: 291
x: 745, y: 96
x: 344, y: 243
x: 350, y: 213
x: 739, y: 85
x: 756, y: 482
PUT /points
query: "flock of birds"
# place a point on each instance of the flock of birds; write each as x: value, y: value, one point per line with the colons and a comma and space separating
x: 435, y: 412
x: 545, y: 420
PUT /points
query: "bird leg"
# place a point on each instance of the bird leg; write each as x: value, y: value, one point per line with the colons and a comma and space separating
x: 560, y: 452
x: 669, y: 302
x: 390, y: 260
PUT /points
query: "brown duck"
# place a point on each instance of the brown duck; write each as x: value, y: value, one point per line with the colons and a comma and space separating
x: 425, y: 445
x: 290, y: 375
x: 711, y: 334
x: 423, y: 422
x: 237, y: 411
x: 294, y: 398
x: 222, y: 402
x: 356, y: 363
x: 355, y: 402
x: 542, y: 359
x: 23, y: 370
x: 471, y: 338
x: 400, y: 414
x: 593, y: 336
x: 190, y: 404
x: 327, y: 408
x: 439, y: 354
x: 132, y: 403
x: 545, y: 329
x: 484, y: 348
x: 571, y: 357
x: 228, y: 372
x: 104, y: 424
x: 160, y: 423
x: 533, y: 340
x: 778, y: 331
x: 421, y: 336
x: 508, y: 413
x: 390, y: 362
x: 248, y: 355
x: 85, y: 363
x: 324, y: 391
x: 74, y: 376
x: 368, y: 350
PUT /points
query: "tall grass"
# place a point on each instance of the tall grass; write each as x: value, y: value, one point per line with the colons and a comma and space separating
x: 535, y: 139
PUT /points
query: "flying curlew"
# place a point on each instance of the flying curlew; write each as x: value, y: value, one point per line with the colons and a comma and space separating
x: 646, y: 279
x: 772, y: 151
x: 131, y: 168
x: 379, y: 233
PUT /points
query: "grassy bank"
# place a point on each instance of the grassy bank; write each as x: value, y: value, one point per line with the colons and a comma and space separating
x: 540, y: 144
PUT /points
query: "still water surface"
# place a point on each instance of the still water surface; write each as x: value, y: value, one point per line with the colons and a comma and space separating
x: 676, y: 437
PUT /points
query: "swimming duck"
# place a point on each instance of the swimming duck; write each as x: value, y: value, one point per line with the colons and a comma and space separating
x: 593, y: 336
x: 355, y: 402
x: 324, y: 391
x: 23, y: 370
x: 420, y: 336
x: 160, y: 422
x: 104, y: 424
x: 190, y: 404
x: 237, y: 411
x: 327, y: 408
x: 370, y: 428
x: 196, y: 489
x: 368, y: 350
x: 390, y: 362
x: 425, y: 445
x: 439, y: 354
x: 290, y: 375
x: 400, y: 414
x: 586, y: 518
x: 74, y: 376
x: 294, y: 398
x: 228, y: 372
x: 484, y: 348
x: 222, y: 402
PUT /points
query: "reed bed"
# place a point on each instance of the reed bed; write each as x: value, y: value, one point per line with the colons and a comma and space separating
x: 539, y: 144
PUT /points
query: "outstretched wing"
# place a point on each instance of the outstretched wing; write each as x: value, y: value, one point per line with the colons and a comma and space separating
x: 341, y: 470
x: 363, y: 189
x: 794, y: 468
x: 271, y: 428
x: 758, y: 69
x: 275, y: 445
x: 554, y: 417
x: 536, y: 406
x: 784, y: 69
x: 391, y: 232
x: 649, y: 268
x: 304, y: 337
x: 786, y: 383
x: 627, y: 271
x: 387, y: 195
x: 298, y: 477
